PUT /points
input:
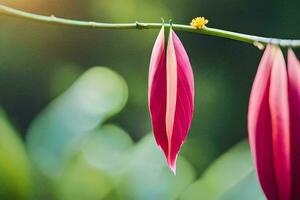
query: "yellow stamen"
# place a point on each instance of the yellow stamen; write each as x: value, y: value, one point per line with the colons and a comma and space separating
x: 199, y: 22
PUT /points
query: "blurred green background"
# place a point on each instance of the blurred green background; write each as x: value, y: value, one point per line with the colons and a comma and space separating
x: 91, y: 139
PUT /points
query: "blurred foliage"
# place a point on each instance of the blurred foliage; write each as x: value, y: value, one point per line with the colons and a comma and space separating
x: 80, y: 147
x: 15, y: 168
x: 229, y: 177
x: 107, y: 149
x: 56, y: 133
x: 146, y: 175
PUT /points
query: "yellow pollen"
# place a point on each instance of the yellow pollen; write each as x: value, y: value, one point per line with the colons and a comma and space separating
x: 199, y: 22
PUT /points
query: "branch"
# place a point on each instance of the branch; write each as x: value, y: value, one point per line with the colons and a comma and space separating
x: 256, y: 40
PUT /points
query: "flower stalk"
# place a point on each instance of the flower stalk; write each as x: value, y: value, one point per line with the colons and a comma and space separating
x: 252, y: 39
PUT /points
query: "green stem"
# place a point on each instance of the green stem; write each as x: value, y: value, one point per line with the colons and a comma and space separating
x: 256, y: 40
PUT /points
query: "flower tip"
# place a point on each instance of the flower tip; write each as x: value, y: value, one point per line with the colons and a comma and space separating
x: 172, y: 167
x: 199, y: 22
x: 174, y: 170
x: 172, y: 164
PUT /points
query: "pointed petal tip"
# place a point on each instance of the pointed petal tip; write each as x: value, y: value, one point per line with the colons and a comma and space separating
x: 174, y: 170
x: 172, y: 164
x: 172, y: 167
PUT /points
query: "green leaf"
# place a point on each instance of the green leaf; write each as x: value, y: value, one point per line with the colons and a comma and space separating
x: 147, y: 176
x: 247, y: 189
x: 82, y: 181
x: 223, y: 175
x: 62, y: 127
x: 15, y: 168
x: 90, y: 176
x: 107, y: 149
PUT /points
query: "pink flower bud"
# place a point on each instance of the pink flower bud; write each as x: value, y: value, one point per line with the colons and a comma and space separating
x: 171, y: 95
x: 269, y: 125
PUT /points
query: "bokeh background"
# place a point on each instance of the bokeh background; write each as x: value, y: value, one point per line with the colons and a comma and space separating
x: 92, y: 141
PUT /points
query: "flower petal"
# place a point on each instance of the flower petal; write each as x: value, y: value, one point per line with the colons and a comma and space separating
x: 279, y: 109
x: 171, y: 98
x: 259, y: 124
x: 185, y: 99
x: 294, y: 100
x: 157, y: 92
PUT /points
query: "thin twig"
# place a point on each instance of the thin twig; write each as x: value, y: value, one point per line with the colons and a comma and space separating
x: 252, y: 39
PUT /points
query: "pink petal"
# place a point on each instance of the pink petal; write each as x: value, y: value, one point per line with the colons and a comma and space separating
x: 279, y: 109
x: 157, y: 90
x: 294, y: 100
x: 185, y: 99
x: 259, y: 125
x: 171, y: 98
x: 171, y: 95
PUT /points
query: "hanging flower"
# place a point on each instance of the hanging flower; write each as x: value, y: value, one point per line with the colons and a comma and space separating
x: 274, y: 124
x: 171, y: 94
